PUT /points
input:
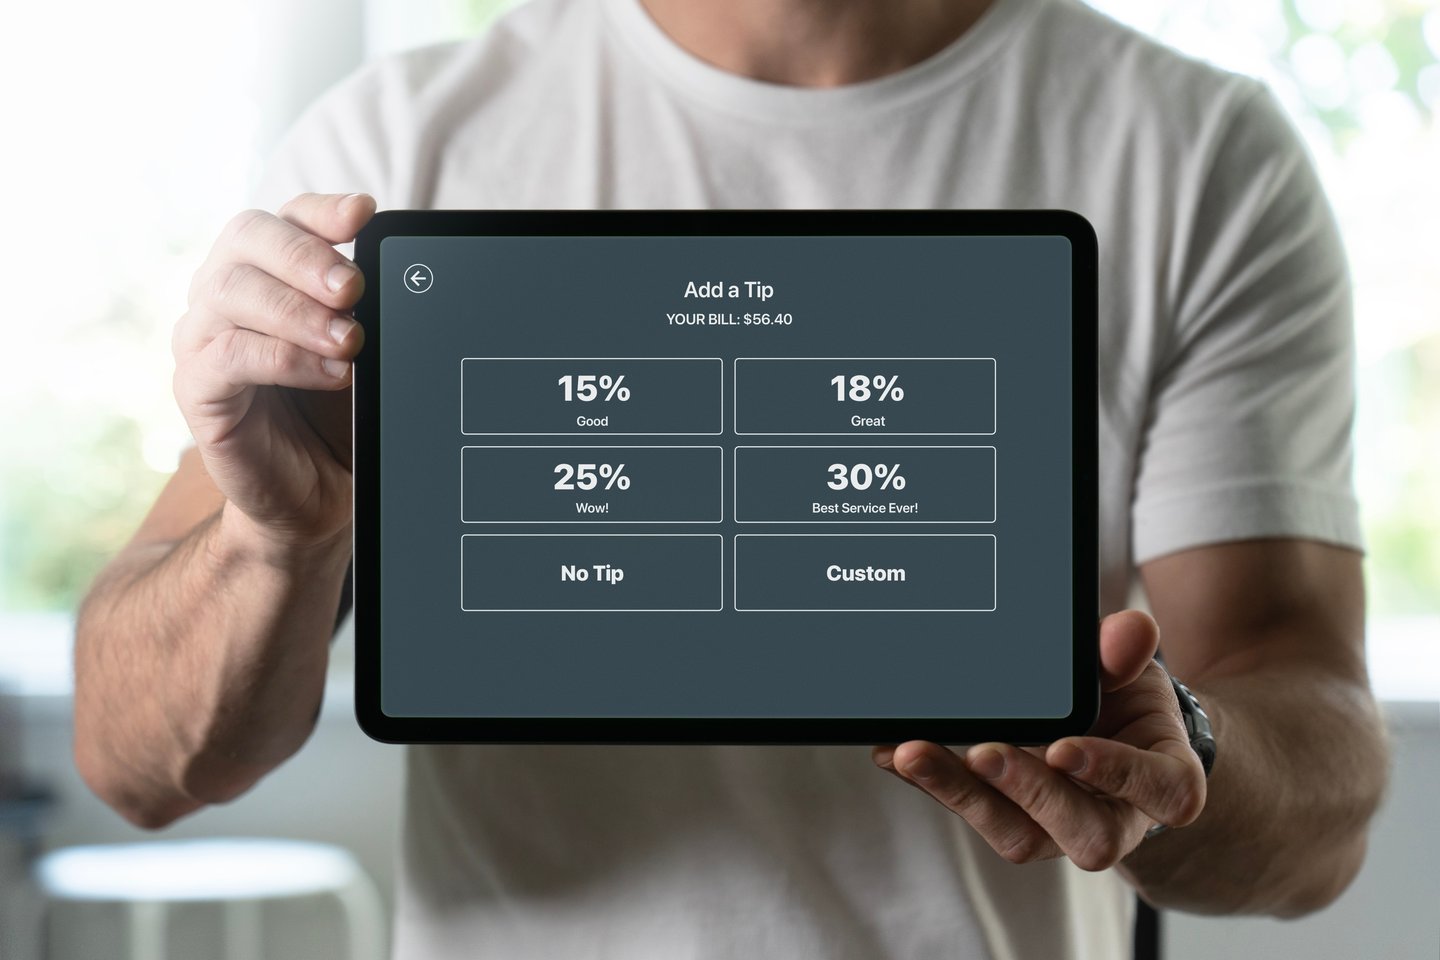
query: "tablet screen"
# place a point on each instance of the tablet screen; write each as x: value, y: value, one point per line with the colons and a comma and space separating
x: 786, y: 476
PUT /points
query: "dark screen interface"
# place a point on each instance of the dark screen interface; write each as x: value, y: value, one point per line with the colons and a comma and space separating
x: 822, y: 477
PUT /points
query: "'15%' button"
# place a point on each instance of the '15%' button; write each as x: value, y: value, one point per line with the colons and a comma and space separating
x: 858, y: 572
x: 579, y: 572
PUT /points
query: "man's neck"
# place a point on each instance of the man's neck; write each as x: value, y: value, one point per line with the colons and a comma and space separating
x: 814, y: 43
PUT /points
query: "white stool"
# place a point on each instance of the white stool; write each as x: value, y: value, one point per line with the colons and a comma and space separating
x: 238, y: 874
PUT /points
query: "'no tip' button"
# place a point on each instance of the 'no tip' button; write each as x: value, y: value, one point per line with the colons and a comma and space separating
x: 418, y: 278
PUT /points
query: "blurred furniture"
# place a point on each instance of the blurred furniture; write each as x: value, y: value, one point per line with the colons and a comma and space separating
x: 22, y: 811
x: 240, y: 876
x: 1148, y: 932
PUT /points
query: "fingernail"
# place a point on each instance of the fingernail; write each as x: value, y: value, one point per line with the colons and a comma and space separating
x: 922, y: 768
x: 988, y: 763
x: 347, y: 200
x: 336, y: 368
x: 339, y: 275
x: 1068, y: 757
x: 340, y: 328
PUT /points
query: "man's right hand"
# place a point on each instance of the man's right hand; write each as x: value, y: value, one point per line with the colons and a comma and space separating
x: 263, y: 366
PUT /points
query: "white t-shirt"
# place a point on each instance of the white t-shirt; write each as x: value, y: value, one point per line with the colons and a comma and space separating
x: 1226, y: 405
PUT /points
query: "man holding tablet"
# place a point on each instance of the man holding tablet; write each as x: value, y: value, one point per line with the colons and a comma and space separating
x: 1224, y: 459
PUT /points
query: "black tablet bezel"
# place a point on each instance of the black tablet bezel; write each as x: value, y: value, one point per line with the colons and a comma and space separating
x: 712, y: 730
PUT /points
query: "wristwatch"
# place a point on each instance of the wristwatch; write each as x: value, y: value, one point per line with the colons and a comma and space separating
x: 1197, y: 725
x: 1197, y: 728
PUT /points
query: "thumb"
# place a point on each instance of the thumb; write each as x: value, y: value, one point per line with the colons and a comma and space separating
x: 1128, y: 641
x: 333, y: 217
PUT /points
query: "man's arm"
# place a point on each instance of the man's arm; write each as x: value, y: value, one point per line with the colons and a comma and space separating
x: 1269, y: 634
x: 200, y: 656
x: 200, y: 652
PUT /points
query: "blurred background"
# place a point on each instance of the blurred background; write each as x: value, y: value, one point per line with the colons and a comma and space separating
x: 138, y: 129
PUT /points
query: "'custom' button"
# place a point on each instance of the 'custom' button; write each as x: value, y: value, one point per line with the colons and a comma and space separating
x: 950, y: 573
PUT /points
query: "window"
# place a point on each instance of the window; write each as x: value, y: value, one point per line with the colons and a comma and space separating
x: 146, y: 136
x: 136, y: 130
x: 1361, y: 80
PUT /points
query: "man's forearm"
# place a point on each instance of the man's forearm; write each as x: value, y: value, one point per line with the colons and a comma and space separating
x: 1301, y: 765
x: 199, y: 666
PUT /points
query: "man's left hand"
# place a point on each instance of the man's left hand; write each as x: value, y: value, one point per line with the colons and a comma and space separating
x: 1089, y: 798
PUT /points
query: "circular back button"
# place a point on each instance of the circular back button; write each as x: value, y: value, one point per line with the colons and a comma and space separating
x: 418, y: 278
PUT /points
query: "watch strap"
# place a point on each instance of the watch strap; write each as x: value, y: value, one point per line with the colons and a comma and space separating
x: 1197, y: 729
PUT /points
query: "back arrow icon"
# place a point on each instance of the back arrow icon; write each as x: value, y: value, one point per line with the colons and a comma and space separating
x: 418, y: 277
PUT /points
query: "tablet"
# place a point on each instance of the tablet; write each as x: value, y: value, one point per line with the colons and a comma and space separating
x: 726, y: 477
